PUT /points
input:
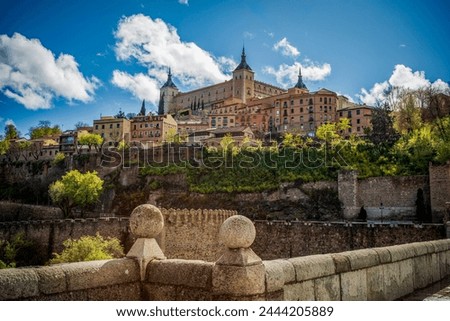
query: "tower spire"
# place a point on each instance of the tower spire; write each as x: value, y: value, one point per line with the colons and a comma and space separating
x: 143, y: 111
x: 169, y: 82
x: 300, y: 83
x: 243, y: 64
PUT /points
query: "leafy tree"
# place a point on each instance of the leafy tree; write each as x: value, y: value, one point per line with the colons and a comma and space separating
x: 90, y: 140
x: 76, y: 189
x: 383, y: 131
x: 11, y: 132
x: 409, y: 116
x: 12, y: 252
x: 123, y: 145
x: 292, y: 140
x: 44, y: 128
x: 227, y: 142
x: 89, y: 248
x: 81, y: 124
x: 59, y: 159
x: 4, y: 146
x: 131, y: 115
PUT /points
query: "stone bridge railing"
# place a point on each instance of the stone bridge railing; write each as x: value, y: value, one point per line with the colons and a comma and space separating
x: 384, y: 273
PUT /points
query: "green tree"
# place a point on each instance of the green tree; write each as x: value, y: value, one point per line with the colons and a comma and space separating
x: 11, y: 132
x: 12, y: 251
x: 44, y: 128
x: 409, y: 115
x: 81, y: 124
x: 90, y: 140
x: 383, y: 131
x: 227, y: 142
x: 4, y: 146
x: 76, y: 189
x: 89, y: 248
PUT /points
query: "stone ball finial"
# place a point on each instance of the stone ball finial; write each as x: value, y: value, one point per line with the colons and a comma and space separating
x: 146, y: 221
x: 237, y: 232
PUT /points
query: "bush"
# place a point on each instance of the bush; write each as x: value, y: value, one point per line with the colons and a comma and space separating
x: 89, y: 248
x: 14, y: 253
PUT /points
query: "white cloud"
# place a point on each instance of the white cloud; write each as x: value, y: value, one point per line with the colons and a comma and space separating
x: 10, y: 122
x: 404, y: 78
x: 30, y: 74
x: 287, y: 75
x: 139, y: 85
x: 248, y: 35
x: 286, y: 48
x: 185, y: 2
x: 157, y: 46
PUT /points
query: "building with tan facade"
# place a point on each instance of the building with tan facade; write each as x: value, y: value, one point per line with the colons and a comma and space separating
x: 242, y: 86
x: 264, y: 108
x: 360, y: 117
x: 152, y: 130
x: 112, y: 129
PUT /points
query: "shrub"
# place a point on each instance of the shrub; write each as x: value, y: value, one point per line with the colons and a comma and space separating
x: 88, y: 248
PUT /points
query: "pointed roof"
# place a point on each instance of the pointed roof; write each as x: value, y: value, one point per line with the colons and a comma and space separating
x: 169, y: 82
x: 143, y: 111
x: 300, y: 83
x: 243, y: 64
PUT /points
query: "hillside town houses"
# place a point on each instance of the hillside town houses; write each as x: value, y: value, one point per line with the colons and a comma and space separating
x: 241, y: 107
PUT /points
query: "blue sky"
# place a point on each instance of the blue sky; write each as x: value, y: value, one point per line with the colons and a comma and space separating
x: 69, y: 61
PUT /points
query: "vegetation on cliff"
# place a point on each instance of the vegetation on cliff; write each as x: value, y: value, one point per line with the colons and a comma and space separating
x: 76, y: 189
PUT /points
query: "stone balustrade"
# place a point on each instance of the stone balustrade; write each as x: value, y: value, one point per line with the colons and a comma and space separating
x: 383, y: 273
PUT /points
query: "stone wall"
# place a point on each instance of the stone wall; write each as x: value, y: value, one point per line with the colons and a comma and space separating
x: 386, y: 273
x: 111, y: 280
x: 188, y: 234
x: 382, y: 197
x: 278, y: 239
x: 380, y: 273
x: 192, y: 234
x: 49, y: 235
x: 440, y: 190
x: 20, y: 212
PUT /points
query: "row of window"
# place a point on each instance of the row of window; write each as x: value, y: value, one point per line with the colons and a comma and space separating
x: 110, y: 126
x: 148, y: 134
x: 349, y: 113
x: 146, y: 125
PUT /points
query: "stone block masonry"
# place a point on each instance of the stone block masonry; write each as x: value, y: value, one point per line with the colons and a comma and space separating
x: 188, y: 234
x: 379, y: 273
x: 281, y: 239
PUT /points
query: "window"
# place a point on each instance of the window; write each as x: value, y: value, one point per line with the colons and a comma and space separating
x: 358, y: 121
x: 340, y: 114
x: 292, y: 102
x: 292, y: 111
x: 358, y: 112
x: 110, y: 126
x: 349, y: 114
x: 103, y: 126
x: 96, y: 126
x: 134, y: 126
x: 325, y: 100
x: 320, y: 99
x: 301, y: 101
x: 358, y: 129
x: 301, y: 109
x: 118, y: 126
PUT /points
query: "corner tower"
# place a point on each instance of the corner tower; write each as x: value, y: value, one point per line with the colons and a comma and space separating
x: 167, y: 95
x: 243, y: 80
